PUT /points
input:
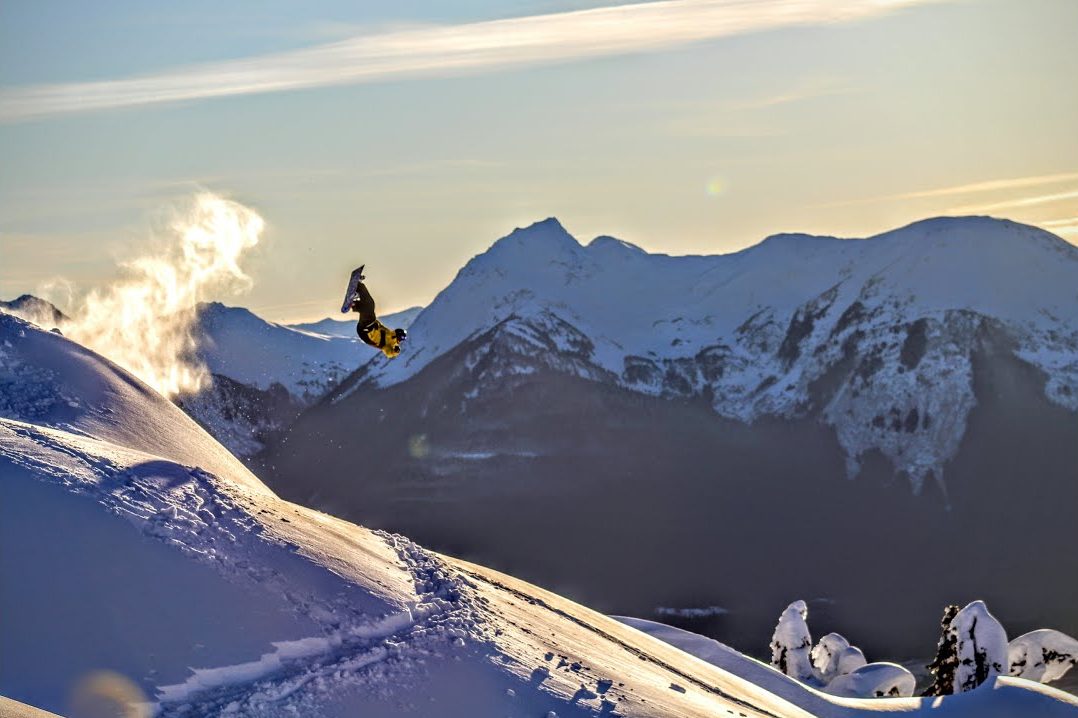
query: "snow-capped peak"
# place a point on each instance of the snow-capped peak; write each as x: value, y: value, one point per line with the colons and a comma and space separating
x: 34, y: 309
x: 756, y: 329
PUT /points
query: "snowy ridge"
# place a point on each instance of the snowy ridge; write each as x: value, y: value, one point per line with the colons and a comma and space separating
x: 876, y: 336
x: 240, y: 345
x: 48, y: 380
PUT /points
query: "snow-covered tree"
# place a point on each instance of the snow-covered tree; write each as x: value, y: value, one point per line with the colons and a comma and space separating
x: 944, y: 665
x: 791, y: 643
x: 833, y: 656
x: 981, y: 645
x: 850, y: 660
x: 1043, y: 655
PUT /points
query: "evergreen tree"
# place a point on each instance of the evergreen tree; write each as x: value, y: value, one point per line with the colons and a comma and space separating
x: 944, y: 665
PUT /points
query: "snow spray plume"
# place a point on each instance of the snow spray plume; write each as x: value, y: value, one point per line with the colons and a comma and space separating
x: 145, y: 322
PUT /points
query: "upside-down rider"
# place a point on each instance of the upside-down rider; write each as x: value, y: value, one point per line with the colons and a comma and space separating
x: 369, y: 329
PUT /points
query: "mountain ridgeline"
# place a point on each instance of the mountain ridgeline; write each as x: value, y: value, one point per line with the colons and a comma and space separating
x: 885, y: 424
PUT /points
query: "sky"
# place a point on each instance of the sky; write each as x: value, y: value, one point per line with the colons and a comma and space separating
x: 410, y: 136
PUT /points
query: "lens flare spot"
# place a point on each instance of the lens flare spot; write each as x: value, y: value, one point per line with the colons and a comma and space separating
x: 418, y: 446
x: 106, y: 694
x: 715, y: 187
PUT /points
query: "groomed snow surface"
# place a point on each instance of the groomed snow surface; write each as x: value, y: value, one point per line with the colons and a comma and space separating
x: 129, y: 542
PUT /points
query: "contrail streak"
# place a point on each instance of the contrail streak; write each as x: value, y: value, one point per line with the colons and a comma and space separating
x: 446, y: 51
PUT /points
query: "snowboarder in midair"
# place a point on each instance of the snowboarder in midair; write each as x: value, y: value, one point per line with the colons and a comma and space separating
x: 369, y: 329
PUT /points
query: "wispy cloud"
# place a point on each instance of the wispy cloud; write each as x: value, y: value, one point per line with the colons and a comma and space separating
x: 1016, y: 203
x: 995, y: 185
x: 809, y: 90
x: 447, y: 50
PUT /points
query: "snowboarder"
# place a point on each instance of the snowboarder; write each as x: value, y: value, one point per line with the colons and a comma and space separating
x: 369, y: 329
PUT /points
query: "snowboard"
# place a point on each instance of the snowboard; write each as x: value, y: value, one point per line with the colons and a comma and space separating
x: 353, y: 282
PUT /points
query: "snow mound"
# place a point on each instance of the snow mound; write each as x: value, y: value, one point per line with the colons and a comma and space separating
x: 874, y: 680
x: 1044, y: 655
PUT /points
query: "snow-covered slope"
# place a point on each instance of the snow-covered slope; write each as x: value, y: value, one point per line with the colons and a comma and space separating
x: 50, y: 381
x: 15, y: 709
x: 347, y: 328
x: 875, y: 335
x: 215, y: 597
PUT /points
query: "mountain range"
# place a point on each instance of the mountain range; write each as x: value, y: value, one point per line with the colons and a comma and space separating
x: 899, y: 406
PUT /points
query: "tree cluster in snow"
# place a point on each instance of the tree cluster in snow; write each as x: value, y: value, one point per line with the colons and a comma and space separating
x: 972, y: 649
x: 832, y: 664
